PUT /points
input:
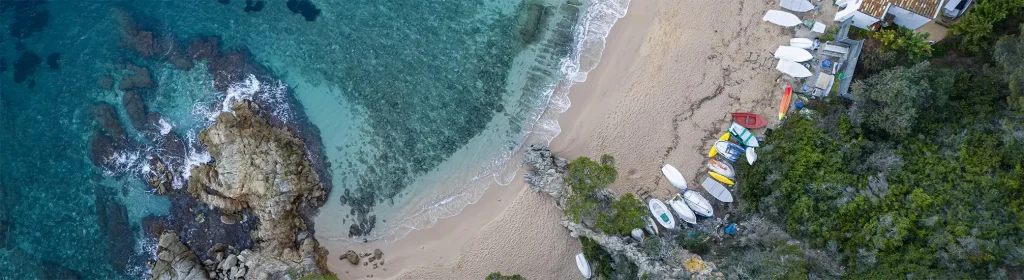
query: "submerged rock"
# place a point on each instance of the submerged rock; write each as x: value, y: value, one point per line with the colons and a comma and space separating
x: 25, y: 66
x: 133, y: 36
x: 140, y: 78
x: 106, y: 82
x: 113, y: 221
x: 309, y: 11
x: 53, y: 61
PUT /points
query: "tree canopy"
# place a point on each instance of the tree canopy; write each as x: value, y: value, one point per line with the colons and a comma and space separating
x: 891, y: 101
x: 977, y: 26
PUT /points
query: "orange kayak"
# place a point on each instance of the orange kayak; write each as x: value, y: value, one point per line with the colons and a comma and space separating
x: 784, y: 106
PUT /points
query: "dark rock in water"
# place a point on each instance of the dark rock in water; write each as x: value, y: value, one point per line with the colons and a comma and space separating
x: 173, y: 52
x: 136, y: 111
x: 106, y: 82
x: 305, y: 7
x: 351, y: 256
x: 5, y: 231
x: 106, y: 119
x: 19, y: 45
x: 204, y: 48
x: 133, y: 36
x: 225, y: 2
x: 26, y: 66
x: 159, y: 177
x: 254, y: 6
x: 532, y: 21
x: 232, y: 67
x: 3, y: 64
x: 363, y: 225
x: 30, y: 16
x: 53, y: 60
x: 50, y: 270
x: 140, y: 78
x: 113, y: 221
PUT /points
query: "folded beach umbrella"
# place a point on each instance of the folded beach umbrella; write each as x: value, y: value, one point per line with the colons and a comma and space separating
x: 797, y: 5
x: 793, y: 54
x: 781, y: 18
x: 793, y: 69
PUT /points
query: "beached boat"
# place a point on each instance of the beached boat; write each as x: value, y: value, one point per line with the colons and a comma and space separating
x: 714, y: 151
x: 699, y: 204
x: 802, y: 43
x: 650, y: 226
x: 751, y: 155
x: 781, y: 18
x: 722, y: 167
x: 792, y: 69
x: 743, y: 134
x: 674, y: 176
x: 584, y: 266
x: 637, y: 234
x: 721, y: 178
x: 784, y: 105
x: 684, y: 212
x: 797, y: 5
x: 728, y: 150
x: 661, y: 214
x: 793, y: 54
x: 716, y: 190
x: 749, y: 120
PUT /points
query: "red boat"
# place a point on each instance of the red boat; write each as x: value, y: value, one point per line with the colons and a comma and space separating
x: 749, y: 120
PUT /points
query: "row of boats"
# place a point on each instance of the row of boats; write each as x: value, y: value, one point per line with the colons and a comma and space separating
x: 689, y: 204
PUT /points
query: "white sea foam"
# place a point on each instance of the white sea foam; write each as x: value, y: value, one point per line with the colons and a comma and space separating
x: 194, y: 156
x: 165, y: 127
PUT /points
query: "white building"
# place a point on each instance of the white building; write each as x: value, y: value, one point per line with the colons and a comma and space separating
x: 867, y: 14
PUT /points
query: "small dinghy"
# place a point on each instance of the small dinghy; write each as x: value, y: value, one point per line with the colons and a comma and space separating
x: 721, y: 167
x: 720, y: 178
x: 802, y: 43
x: 793, y: 69
x: 729, y: 151
x: 714, y: 151
x: 781, y: 18
x: 717, y: 190
x: 699, y: 204
x: 746, y: 137
x: 661, y: 214
x: 749, y: 120
x: 684, y: 212
x: 751, y: 155
x: 650, y: 226
x: 584, y: 266
x: 637, y: 234
x: 793, y: 54
x: 674, y: 176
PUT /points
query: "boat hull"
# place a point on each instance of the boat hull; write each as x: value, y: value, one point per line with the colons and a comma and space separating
x: 746, y: 137
x: 720, y: 178
x: 684, y: 212
x: 729, y: 151
x: 661, y: 214
x: 717, y: 190
x: 584, y: 266
x: 674, y: 177
x: 749, y: 120
x: 722, y: 167
x: 700, y: 205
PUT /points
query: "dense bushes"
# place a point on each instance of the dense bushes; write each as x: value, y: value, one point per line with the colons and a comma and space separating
x: 499, y: 276
x: 921, y: 176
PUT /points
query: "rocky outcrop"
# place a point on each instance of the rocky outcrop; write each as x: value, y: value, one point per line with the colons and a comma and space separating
x: 139, y: 78
x: 620, y: 245
x: 264, y: 169
x: 175, y: 261
x: 547, y: 174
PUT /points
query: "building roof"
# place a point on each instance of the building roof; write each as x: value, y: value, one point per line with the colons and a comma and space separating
x: 876, y: 8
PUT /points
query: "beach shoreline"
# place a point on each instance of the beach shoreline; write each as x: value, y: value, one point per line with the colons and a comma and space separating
x: 668, y: 77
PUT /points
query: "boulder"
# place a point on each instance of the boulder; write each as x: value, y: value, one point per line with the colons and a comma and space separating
x: 351, y: 256
x: 175, y: 261
x: 547, y: 172
x: 139, y: 78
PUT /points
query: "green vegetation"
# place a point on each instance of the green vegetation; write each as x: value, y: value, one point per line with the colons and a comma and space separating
x: 914, y: 47
x: 978, y: 25
x: 919, y: 177
x: 599, y: 259
x: 627, y: 213
x: 319, y: 277
x: 498, y: 276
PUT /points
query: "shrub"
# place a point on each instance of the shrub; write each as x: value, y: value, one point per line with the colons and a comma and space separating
x: 626, y: 214
x: 498, y: 276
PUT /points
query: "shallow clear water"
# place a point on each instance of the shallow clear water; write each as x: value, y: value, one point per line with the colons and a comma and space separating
x: 419, y: 106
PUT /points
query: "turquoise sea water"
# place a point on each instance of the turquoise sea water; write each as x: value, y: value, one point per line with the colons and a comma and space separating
x: 419, y: 105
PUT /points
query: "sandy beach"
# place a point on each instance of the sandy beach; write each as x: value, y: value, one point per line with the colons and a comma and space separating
x: 671, y: 73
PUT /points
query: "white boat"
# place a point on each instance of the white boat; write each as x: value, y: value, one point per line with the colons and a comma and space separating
x: 729, y: 151
x: 716, y: 190
x: 792, y: 69
x: 802, y: 43
x: 751, y: 155
x: 722, y: 167
x: 661, y: 214
x: 699, y: 204
x: 781, y: 18
x: 746, y: 137
x: 684, y: 212
x: 793, y: 54
x: 797, y: 5
x: 584, y: 266
x: 637, y: 234
x: 650, y: 226
x: 674, y: 176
